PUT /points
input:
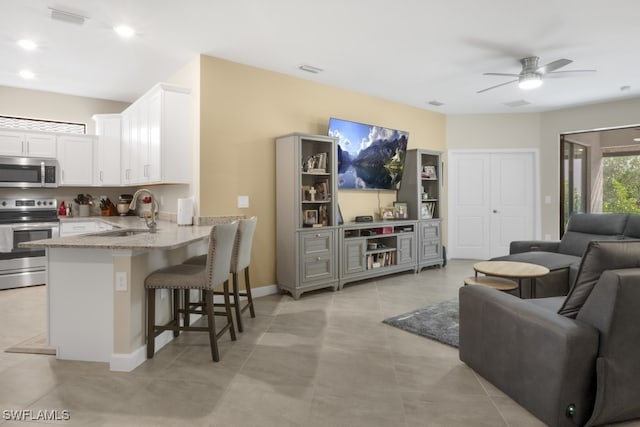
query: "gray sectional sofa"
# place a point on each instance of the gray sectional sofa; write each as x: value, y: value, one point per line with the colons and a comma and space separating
x: 573, y: 360
x: 562, y: 257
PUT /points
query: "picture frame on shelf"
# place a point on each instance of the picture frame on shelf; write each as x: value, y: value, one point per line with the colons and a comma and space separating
x: 310, y: 217
x: 323, y: 215
x: 429, y: 172
x: 316, y: 163
x: 400, y: 210
x: 424, y: 212
x: 387, y: 213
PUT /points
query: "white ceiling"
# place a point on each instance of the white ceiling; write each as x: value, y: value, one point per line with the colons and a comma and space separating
x: 407, y: 51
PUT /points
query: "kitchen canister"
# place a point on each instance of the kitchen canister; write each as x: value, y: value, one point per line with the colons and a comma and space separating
x: 185, y: 211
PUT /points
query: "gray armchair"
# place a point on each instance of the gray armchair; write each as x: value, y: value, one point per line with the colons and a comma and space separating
x: 570, y: 361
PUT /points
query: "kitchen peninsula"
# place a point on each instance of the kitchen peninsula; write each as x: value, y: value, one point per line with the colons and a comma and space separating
x: 95, y: 287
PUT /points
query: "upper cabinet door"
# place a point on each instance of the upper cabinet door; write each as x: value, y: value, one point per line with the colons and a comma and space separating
x: 107, y: 149
x: 11, y: 143
x: 75, y: 157
x: 21, y: 143
x: 41, y: 145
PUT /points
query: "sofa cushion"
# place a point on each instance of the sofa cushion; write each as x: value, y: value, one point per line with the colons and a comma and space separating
x: 632, y: 229
x: 551, y: 260
x: 583, y: 228
x: 599, y: 256
x: 576, y: 243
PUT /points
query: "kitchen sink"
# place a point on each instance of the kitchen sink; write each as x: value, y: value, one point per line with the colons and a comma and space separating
x: 121, y: 233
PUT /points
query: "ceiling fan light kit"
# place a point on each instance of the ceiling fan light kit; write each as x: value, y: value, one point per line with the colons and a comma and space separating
x: 530, y: 81
x: 532, y: 75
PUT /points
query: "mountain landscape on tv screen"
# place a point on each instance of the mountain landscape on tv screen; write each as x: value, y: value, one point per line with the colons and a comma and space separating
x: 374, y: 161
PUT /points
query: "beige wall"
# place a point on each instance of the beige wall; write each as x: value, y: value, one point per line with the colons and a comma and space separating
x: 36, y: 104
x: 244, y: 108
x: 493, y: 131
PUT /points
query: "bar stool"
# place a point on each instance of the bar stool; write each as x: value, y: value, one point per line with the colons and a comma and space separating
x: 205, y: 277
x: 240, y: 262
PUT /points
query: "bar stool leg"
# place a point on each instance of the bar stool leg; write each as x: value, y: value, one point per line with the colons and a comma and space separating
x: 213, y: 338
x: 247, y: 285
x: 176, y: 311
x: 151, y: 322
x: 236, y: 301
x: 227, y: 309
x: 187, y: 307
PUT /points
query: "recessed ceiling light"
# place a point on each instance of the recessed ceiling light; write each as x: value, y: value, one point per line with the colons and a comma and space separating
x: 27, y: 74
x: 27, y: 44
x: 636, y: 139
x: 124, y: 31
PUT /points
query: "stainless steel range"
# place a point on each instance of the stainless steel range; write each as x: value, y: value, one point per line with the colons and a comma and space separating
x: 24, y: 220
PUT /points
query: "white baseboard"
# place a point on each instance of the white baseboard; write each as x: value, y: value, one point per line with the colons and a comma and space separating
x: 127, y: 362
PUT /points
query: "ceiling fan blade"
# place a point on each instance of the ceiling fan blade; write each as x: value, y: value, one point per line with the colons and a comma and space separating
x: 554, y: 65
x: 501, y: 74
x: 496, y: 86
x: 572, y: 71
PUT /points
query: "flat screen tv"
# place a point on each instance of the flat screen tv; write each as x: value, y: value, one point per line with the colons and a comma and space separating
x: 369, y: 157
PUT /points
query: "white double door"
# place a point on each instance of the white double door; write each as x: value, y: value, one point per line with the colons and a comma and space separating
x: 492, y: 201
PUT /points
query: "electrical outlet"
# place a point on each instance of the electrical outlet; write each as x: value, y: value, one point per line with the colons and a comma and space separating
x: 121, y: 281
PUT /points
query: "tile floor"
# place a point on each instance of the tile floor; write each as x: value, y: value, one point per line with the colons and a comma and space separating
x: 325, y: 360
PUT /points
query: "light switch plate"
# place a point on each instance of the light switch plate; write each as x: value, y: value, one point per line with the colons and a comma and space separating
x: 121, y: 281
x: 243, y: 202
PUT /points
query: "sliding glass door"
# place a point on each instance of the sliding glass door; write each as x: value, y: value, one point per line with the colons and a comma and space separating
x: 573, y: 180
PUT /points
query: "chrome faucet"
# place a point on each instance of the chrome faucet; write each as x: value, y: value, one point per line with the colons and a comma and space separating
x: 151, y: 224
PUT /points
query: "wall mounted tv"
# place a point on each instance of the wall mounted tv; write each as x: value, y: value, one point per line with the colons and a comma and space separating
x: 369, y: 157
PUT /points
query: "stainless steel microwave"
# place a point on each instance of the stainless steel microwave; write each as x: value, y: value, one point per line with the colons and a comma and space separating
x: 28, y: 172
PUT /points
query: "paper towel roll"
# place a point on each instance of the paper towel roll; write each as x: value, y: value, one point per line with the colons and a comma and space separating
x: 185, y: 211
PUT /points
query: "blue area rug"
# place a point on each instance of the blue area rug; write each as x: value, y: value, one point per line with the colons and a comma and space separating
x: 436, y: 321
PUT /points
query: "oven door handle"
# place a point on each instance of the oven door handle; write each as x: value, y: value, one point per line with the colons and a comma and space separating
x: 35, y: 226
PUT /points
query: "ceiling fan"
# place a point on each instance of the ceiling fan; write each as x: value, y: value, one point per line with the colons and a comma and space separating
x: 532, y: 74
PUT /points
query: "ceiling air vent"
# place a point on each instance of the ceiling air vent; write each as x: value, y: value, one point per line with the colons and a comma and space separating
x: 310, y: 69
x: 519, y: 103
x: 69, y: 17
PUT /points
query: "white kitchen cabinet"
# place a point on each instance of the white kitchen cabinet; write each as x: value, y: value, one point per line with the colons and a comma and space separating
x: 75, y: 157
x: 157, y: 137
x: 107, y: 149
x: 129, y: 147
x: 29, y: 144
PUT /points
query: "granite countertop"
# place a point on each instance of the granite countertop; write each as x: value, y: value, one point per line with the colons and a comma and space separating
x: 169, y: 235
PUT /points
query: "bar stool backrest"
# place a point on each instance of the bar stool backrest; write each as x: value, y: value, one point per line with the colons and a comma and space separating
x: 244, y: 241
x: 221, y: 244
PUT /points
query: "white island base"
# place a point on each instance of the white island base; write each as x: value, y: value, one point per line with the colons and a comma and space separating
x: 96, y: 302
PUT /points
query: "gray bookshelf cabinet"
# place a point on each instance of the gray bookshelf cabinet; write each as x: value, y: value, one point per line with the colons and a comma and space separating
x: 375, y: 249
x: 306, y: 212
x: 314, y: 252
x: 421, y: 189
